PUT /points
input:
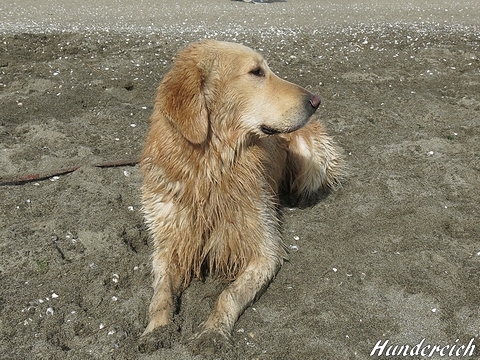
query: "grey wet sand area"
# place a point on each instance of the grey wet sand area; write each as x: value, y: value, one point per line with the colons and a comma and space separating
x: 393, y: 255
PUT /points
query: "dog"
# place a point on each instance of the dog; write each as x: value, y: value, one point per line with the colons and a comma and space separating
x: 226, y: 137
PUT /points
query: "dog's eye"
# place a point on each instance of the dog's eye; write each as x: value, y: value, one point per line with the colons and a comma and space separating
x: 258, y: 72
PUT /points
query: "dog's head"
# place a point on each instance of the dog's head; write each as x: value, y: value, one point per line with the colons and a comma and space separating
x: 219, y: 86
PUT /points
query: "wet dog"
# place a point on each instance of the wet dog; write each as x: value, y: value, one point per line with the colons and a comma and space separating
x: 226, y: 136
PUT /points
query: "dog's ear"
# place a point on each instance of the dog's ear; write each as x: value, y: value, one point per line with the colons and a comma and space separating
x: 180, y: 95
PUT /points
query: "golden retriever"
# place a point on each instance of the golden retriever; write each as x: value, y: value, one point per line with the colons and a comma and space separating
x: 226, y: 136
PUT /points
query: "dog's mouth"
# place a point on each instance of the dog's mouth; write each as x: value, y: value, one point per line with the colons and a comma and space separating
x: 272, y: 131
x: 268, y: 131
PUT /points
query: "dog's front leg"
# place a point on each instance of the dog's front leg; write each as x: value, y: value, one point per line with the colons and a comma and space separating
x: 216, y: 331
x: 161, y: 331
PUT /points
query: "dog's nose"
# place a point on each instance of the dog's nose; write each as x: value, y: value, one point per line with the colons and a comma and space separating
x: 315, y: 101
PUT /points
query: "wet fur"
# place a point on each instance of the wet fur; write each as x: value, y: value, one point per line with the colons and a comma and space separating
x: 212, y: 177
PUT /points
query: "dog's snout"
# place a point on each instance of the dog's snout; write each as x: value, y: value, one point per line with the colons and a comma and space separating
x: 315, y: 101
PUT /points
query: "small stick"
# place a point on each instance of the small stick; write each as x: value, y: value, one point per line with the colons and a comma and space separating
x: 91, y: 67
x: 20, y: 180
x: 117, y: 163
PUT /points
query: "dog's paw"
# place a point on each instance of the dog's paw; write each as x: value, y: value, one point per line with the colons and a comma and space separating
x: 209, y: 342
x: 161, y: 337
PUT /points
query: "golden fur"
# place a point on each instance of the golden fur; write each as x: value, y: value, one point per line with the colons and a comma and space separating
x: 226, y: 136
